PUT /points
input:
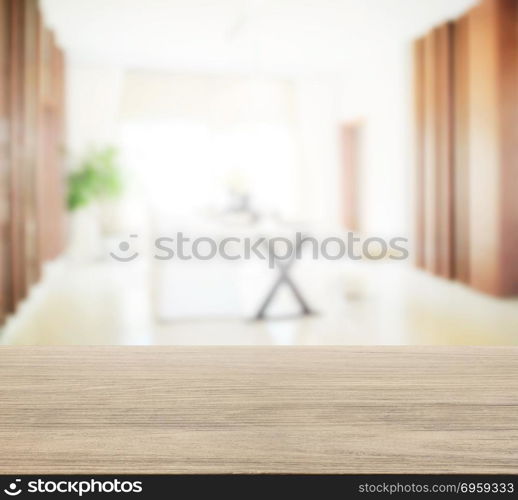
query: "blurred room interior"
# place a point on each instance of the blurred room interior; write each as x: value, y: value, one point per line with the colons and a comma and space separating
x: 384, y: 118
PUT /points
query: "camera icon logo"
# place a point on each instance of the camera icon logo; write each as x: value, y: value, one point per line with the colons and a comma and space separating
x: 124, y: 247
x: 14, y: 488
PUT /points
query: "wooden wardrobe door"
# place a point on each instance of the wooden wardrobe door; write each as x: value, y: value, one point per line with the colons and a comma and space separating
x: 419, y: 141
x: 435, y: 162
x: 493, y: 146
x: 31, y: 130
x: 6, y: 299
x: 430, y: 155
x: 50, y: 168
x: 445, y: 149
x: 32, y: 208
x: 16, y: 187
x: 462, y: 160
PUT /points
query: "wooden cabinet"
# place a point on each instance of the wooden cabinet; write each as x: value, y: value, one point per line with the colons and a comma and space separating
x: 5, y: 278
x: 466, y: 75
x: 31, y: 145
x: 434, y: 115
x: 493, y: 146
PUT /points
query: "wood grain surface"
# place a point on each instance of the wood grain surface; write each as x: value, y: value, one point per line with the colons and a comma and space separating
x: 239, y: 409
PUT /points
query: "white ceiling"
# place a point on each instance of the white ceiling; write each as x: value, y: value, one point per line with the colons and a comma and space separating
x: 271, y: 36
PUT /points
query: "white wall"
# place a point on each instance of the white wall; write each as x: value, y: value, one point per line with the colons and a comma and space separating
x: 317, y: 120
x: 92, y: 96
x: 101, y: 99
x: 364, y: 39
x: 379, y: 94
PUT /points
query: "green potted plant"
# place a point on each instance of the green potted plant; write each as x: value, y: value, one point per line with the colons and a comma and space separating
x: 98, y: 178
x: 94, y: 187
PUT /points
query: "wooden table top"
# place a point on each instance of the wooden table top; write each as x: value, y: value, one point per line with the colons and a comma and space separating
x: 257, y: 409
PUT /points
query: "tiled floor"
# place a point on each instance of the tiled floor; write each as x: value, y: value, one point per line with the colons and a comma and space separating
x: 356, y: 303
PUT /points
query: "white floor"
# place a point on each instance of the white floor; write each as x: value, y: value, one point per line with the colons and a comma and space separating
x: 355, y: 303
